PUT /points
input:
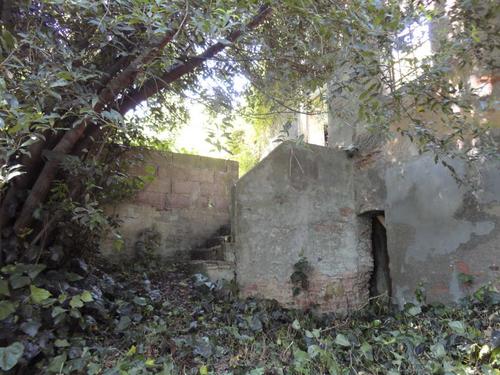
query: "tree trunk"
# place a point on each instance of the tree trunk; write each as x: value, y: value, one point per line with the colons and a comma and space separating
x: 121, y: 82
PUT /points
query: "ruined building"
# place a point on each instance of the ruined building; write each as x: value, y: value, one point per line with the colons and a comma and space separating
x: 330, y: 226
x: 379, y: 219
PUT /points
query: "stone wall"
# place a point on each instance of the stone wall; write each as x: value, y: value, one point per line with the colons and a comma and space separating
x: 187, y: 202
x: 297, y: 202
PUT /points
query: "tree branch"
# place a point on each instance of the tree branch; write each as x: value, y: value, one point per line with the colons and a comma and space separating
x: 108, y: 94
x: 154, y: 85
x: 42, y: 185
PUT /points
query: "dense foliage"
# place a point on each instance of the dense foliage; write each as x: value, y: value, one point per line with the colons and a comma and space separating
x: 71, y: 70
x: 86, y: 320
x: 77, y: 80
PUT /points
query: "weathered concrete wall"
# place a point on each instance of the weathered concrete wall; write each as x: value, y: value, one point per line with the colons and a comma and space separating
x: 442, y: 234
x: 187, y: 201
x: 299, y: 201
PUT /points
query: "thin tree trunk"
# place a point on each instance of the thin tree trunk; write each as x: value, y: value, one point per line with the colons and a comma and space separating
x: 42, y: 185
x: 119, y: 83
x: 33, y: 163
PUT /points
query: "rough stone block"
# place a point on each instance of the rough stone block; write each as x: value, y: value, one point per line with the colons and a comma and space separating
x: 208, y: 189
x: 185, y: 161
x: 152, y: 198
x: 221, y: 203
x: 159, y: 184
x: 203, y: 202
x: 178, y: 201
x: 165, y: 171
x: 180, y: 174
x: 203, y: 175
x: 185, y: 187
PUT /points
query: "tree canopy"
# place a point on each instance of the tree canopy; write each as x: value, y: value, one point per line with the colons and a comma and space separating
x: 76, y: 74
x: 72, y: 69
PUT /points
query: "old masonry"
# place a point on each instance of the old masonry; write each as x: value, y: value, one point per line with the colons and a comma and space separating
x: 380, y: 221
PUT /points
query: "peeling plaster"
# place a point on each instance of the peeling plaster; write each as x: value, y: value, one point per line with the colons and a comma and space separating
x: 433, y: 221
x: 425, y: 196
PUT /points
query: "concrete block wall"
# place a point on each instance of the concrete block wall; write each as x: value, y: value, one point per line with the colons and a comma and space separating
x: 187, y: 201
x: 299, y: 201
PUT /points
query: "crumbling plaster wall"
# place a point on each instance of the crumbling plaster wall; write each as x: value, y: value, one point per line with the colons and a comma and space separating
x: 442, y: 233
x: 186, y: 202
x: 299, y: 201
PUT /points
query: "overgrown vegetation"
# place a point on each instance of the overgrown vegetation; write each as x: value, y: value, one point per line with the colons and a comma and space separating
x: 83, y: 319
x: 81, y: 81
x: 300, y: 276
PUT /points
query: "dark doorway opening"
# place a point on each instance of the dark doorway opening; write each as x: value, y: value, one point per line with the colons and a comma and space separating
x: 380, y: 283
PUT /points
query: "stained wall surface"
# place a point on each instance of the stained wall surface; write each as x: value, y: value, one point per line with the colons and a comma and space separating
x: 443, y: 233
x: 186, y: 202
x: 299, y: 201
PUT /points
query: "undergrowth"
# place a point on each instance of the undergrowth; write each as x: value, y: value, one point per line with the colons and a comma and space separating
x: 88, y: 320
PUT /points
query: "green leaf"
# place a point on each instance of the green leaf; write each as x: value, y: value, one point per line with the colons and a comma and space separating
x: 10, y: 355
x: 342, y: 340
x: 124, y: 323
x: 86, y: 296
x: 38, y: 295
x: 438, y: 350
x: 59, y: 83
x: 17, y: 281
x: 118, y: 245
x: 141, y: 301
x: 65, y: 75
x: 4, y: 288
x: 415, y: 310
x: 8, y: 41
x: 367, y: 351
x: 10, y: 269
x: 258, y: 371
x: 56, y: 311
x: 57, y: 364
x: 94, y: 368
x: 457, y: 327
x: 132, y: 351
x: 76, y: 302
x: 62, y: 298
x: 71, y: 276
x: 6, y: 308
x: 313, y: 351
x: 31, y: 328
x: 203, y: 370
x: 33, y: 270
x: 54, y: 94
x: 61, y: 343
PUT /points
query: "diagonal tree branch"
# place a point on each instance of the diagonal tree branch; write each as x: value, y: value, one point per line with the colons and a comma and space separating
x: 121, y: 82
x: 154, y: 85
x: 125, y: 78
